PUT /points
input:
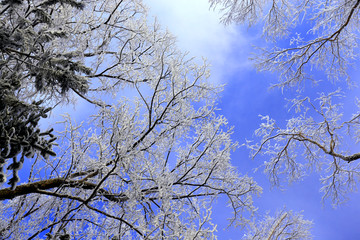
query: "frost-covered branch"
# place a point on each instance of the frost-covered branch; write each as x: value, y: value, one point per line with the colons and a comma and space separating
x: 314, y: 140
x: 303, y: 37
x: 329, y: 43
x: 151, y: 157
x: 285, y: 225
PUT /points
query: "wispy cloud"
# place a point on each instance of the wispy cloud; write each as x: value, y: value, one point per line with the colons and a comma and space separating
x: 199, y: 31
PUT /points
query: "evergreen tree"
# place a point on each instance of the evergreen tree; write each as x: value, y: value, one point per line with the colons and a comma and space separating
x: 33, y: 75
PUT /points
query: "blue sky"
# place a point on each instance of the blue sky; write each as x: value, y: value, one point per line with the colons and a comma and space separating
x: 247, y: 95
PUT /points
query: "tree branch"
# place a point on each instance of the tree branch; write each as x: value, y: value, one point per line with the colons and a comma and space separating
x: 38, y: 187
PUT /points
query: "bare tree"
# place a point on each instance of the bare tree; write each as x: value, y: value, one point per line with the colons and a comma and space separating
x: 152, y: 157
x: 285, y: 225
x: 329, y: 43
x: 319, y: 137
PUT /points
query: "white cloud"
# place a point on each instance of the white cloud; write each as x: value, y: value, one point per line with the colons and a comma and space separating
x: 199, y: 31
